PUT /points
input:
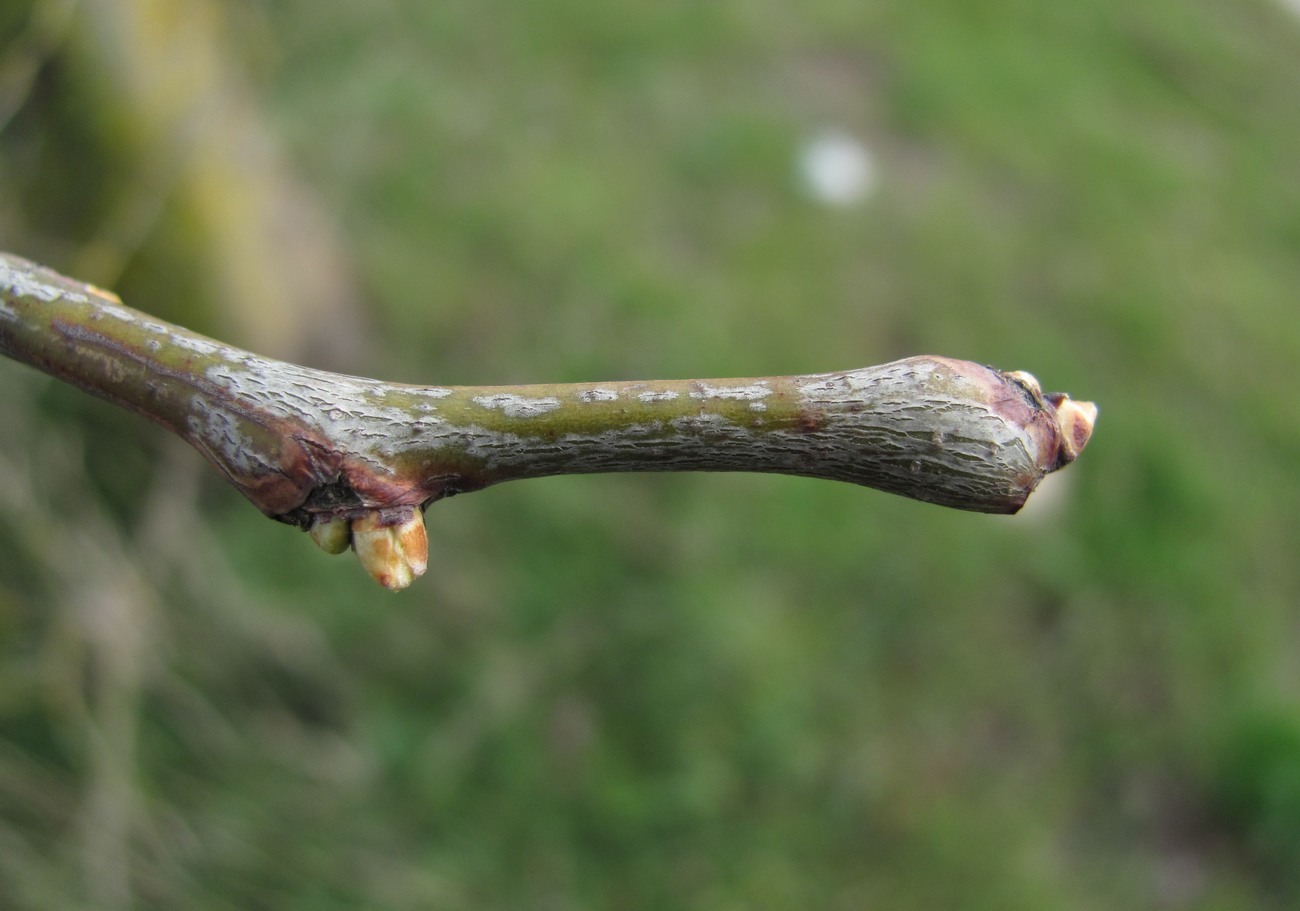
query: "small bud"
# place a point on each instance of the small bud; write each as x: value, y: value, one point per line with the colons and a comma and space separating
x: 392, y: 546
x: 331, y: 533
x: 1077, y: 420
x: 1028, y: 380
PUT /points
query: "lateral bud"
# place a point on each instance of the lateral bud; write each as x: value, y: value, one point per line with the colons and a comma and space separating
x: 392, y: 545
x: 331, y: 533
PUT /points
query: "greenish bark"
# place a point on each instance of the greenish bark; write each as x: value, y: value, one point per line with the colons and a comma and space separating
x: 318, y: 449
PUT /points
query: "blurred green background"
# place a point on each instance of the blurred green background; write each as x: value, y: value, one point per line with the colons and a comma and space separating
x: 676, y: 691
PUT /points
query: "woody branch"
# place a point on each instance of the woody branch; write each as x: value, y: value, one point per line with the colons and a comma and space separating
x: 355, y: 460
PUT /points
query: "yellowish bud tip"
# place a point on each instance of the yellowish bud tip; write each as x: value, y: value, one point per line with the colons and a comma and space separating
x: 1027, y: 379
x: 331, y: 534
x: 394, y: 550
x: 1074, y: 419
x: 1077, y: 420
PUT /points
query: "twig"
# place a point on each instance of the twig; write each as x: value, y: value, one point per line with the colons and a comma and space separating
x: 356, y: 460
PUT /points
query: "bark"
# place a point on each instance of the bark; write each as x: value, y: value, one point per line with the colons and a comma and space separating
x: 331, y: 453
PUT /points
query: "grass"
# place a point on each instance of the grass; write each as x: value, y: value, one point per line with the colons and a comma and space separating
x: 731, y: 691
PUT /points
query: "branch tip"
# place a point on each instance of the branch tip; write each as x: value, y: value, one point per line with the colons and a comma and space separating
x: 1076, y: 420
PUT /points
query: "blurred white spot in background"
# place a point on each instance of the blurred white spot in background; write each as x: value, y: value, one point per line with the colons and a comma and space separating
x: 1049, y: 501
x: 837, y: 169
x: 1291, y: 6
